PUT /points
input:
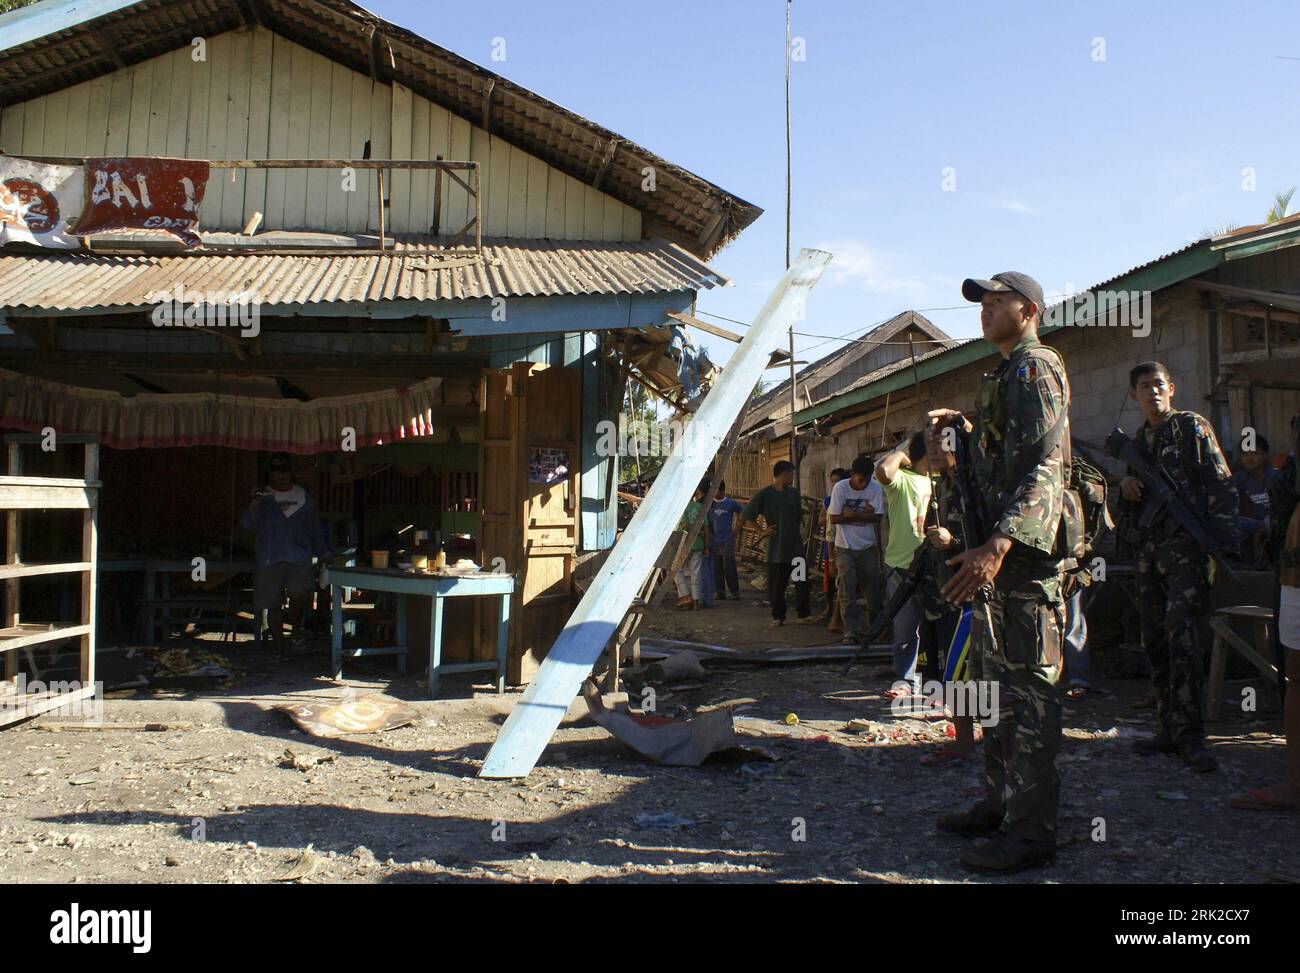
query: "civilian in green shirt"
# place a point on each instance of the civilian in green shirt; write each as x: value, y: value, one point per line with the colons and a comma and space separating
x: 691, y: 594
x: 904, y: 474
x: 782, y: 509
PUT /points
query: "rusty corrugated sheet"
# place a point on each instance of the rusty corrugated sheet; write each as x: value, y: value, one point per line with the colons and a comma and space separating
x: 417, y: 270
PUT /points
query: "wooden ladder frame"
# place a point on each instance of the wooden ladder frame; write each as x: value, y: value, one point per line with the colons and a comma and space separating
x: 19, y: 493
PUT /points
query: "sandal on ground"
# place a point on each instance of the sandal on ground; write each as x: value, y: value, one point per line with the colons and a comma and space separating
x: 685, y: 604
x: 1260, y: 800
x: 1076, y: 693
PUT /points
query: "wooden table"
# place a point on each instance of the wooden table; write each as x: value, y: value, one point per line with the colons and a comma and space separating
x: 154, y: 601
x: 434, y: 587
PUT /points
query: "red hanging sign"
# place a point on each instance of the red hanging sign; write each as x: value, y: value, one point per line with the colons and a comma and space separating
x: 143, y: 194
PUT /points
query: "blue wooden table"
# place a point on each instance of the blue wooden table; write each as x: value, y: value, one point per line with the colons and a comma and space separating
x: 434, y: 587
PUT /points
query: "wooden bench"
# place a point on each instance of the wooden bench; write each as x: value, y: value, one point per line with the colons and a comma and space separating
x: 1225, y: 639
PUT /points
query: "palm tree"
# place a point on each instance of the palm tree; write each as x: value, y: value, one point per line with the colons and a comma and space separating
x: 1281, y: 201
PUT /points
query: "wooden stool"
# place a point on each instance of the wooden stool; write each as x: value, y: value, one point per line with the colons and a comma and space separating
x: 1261, y: 620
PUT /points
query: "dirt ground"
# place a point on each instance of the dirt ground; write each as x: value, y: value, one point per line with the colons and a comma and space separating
x: 222, y: 802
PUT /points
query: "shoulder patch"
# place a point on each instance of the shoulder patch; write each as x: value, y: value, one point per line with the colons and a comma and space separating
x: 1028, y: 370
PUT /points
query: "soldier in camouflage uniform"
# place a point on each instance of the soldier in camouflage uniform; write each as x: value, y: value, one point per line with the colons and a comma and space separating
x: 1020, y: 454
x: 1173, y: 573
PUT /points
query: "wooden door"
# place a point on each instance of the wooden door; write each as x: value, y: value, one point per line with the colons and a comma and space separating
x: 529, y: 457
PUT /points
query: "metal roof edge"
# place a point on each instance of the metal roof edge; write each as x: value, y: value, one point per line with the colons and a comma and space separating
x: 1157, y: 275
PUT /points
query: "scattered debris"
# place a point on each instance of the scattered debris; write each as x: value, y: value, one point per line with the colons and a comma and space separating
x: 677, y: 668
x: 663, y: 819
x: 142, y: 727
x: 365, y: 714
x: 306, y: 863
x: 305, y: 762
x: 666, y: 740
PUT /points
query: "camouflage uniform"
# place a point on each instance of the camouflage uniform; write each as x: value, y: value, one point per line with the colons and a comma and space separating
x: 1018, y: 636
x: 1173, y: 574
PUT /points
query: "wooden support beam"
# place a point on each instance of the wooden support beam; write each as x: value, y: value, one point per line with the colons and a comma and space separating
x: 704, y: 326
x: 1276, y: 298
x: 487, y: 104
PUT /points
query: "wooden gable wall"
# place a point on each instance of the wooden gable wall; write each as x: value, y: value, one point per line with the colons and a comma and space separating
x: 258, y: 95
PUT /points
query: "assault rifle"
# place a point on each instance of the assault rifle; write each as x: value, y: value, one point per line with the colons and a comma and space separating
x: 1161, y: 494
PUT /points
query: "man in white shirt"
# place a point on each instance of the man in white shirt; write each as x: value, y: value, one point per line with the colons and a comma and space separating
x: 855, y: 509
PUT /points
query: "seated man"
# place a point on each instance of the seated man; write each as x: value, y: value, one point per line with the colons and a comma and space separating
x: 283, y: 517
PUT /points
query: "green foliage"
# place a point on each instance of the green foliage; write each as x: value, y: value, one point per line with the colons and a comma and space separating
x: 1281, y: 202
x: 7, y: 5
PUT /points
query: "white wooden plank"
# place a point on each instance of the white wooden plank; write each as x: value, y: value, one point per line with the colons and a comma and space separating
x: 318, y: 139
x: 421, y: 204
x: 480, y: 151
x: 358, y: 201
x: 11, y: 128
x: 119, y: 111
x: 237, y: 109
x: 137, y: 138
x: 295, y: 187
x: 613, y: 219
x: 101, y: 89
x: 340, y: 147
x: 555, y: 188
x: 56, y: 123
x: 457, y: 203
x: 517, y: 206
x: 259, y: 113
x: 575, y: 207
x: 381, y: 147
x: 593, y: 221
x: 537, y: 199
x: 277, y: 142
x: 159, y: 104
x: 440, y: 145
x: 631, y: 224
x: 399, y: 183
x: 178, y: 108
x: 219, y: 56
x: 78, y: 112
x: 498, y: 178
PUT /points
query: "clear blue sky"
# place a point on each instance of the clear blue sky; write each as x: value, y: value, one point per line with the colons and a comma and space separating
x: 1068, y: 168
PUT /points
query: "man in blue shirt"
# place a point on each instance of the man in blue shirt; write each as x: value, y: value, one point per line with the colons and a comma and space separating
x: 283, y: 517
x: 723, y: 514
x: 1252, y: 482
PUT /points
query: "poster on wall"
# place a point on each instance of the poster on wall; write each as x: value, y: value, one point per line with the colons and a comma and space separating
x: 548, y: 465
x: 144, y: 194
x: 36, y: 202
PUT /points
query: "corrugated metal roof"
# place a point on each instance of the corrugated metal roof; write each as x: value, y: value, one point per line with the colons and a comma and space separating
x: 418, y: 269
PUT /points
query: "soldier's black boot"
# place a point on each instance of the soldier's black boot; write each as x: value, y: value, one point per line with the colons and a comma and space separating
x: 978, y: 820
x: 1197, y: 757
x: 1007, y: 853
x: 1162, y: 742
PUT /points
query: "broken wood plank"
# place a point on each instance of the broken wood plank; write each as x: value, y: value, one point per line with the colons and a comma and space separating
x: 536, y: 717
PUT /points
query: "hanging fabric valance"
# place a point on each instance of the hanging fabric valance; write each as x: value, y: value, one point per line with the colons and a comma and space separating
x: 209, y: 419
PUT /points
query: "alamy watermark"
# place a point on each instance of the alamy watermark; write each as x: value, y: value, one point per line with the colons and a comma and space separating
x: 88, y: 707
x: 182, y: 308
x: 642, y: 437
x: 1101, y: 309
x: 976, y: 698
